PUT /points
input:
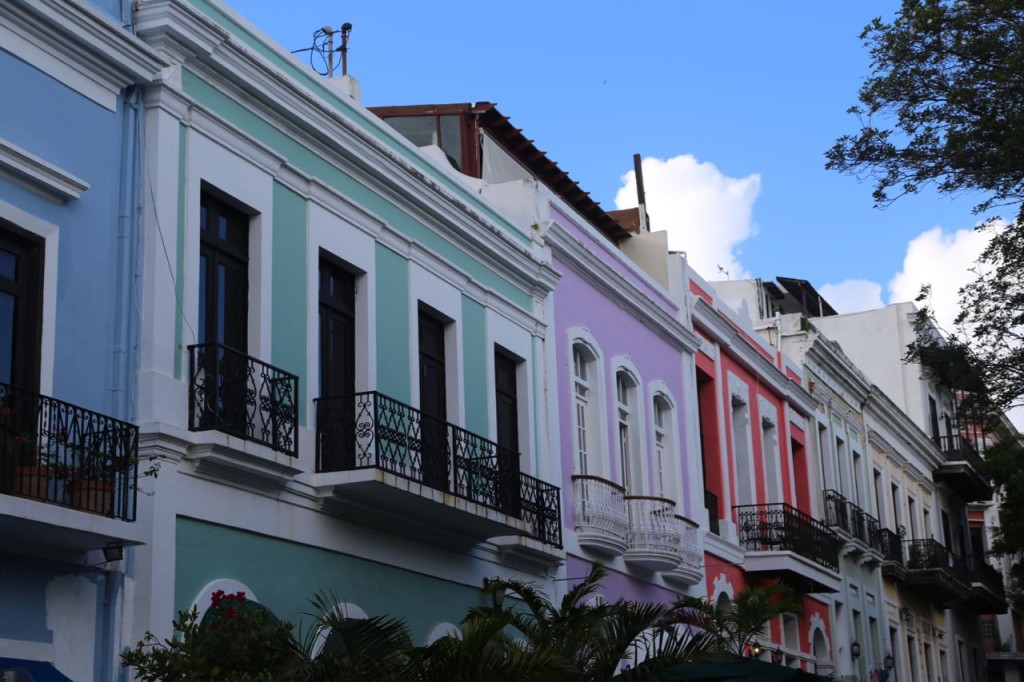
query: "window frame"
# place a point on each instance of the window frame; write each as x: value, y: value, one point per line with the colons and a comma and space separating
x: 27, y: 288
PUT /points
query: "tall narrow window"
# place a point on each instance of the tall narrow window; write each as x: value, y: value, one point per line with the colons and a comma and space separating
x: 625, y: 388
x: 223, y: 274
x: 582, y: 370
x: 336, y: 411
x: 337, y: 329
x: 433, y: 401
x: 933, y: 418
x: 507, y: 422
x: 21, y: 259
x: 506, y: 400
x: 661, y: 444
x: 223, y: 316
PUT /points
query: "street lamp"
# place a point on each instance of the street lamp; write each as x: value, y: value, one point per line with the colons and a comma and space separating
x: 755, y: 649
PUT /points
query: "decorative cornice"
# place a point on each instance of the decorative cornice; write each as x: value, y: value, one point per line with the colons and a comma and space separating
x: 216, y: 56
x: 596, y: 272
x: 40, y: 176
x: 77, y: 45
x: 723, y: 333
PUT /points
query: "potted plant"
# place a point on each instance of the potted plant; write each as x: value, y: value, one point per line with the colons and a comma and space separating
x: 92, y: 480
x: 28, y: 464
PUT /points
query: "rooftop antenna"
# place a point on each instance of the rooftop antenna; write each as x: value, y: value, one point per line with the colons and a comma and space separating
x: 328, y: 31
x: 346, y: 29
x: 641, y: 197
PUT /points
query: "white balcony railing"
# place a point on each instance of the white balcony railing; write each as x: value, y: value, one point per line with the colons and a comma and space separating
x: 655, y: 535
x: 600, y: 514
x: 690, y: 570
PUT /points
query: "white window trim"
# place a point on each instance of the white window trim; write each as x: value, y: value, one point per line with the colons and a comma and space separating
x: 673, y: 487
x: 598, y: 462
x: 637, y: 437
x: 50, y: 234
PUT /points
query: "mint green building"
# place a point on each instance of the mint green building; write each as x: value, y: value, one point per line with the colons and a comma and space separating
x: 343, y: 348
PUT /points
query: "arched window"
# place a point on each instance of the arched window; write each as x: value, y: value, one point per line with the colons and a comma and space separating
x: 628, y: 441
x: 663, y: 446
x: 584, y: 381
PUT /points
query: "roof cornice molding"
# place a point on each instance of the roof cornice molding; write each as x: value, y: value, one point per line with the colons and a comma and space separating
x: 596, y: 272
x: 215, y: 55
x: 77, y: 45
x: 726, y: 335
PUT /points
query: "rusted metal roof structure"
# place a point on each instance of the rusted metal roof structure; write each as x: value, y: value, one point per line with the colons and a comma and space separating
x: 485, y: 116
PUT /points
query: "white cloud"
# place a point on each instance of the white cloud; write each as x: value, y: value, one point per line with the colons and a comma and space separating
x: 853, y: 295
x: 706, y: 213
x: 943, y: 260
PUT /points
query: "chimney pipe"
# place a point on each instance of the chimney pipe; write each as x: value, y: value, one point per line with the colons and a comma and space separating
x: 641, y: 197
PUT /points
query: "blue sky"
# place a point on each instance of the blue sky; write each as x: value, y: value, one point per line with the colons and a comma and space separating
x: 744, y: 96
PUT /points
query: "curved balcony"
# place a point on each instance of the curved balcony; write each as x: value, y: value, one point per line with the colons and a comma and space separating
x: 690, y: 570
x: 600, y: 513
x: 655, y: 535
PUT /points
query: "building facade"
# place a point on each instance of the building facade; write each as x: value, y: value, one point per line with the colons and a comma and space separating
x: 71, y: 188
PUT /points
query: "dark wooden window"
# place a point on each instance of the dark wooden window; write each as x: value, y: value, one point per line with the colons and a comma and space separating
x: 433, y: 400
x: 223, y: 274
x: 21, y: 288
x: 337, y: 329
x: 933, y: 418
x: 506, y: 400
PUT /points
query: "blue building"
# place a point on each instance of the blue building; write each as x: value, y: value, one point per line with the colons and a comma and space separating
x: 70, y: 191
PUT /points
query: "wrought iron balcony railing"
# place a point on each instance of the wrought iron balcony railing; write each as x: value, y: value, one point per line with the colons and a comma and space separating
x: 980, y: 571
x: 851, y: 520
x: 891, y: 546
x: 241, y: 396
x: 372, y: 430
x: 56, y: 452
x: 931, y: 554
x: 714, y: 511
x: 600, y: 510
x: 768, y: 527
x: 956, y: 448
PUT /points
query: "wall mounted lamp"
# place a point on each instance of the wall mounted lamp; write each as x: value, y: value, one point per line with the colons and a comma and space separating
x: 855, y: 649
x: 755, y: 648
x: 114, y: 551
x: 497, y: 590
x: 890, y: 662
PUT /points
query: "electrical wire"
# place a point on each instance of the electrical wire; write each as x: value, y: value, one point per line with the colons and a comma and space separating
x: 318, y: 53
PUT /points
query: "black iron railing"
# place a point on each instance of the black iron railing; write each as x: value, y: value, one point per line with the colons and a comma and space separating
x: 56, y: 452
x: 931, y: 554
x: 849, y: 518
x: 891, y: 546
x: 714, y: 512
x: 541, y: 509
x: 372, y: 430
x: 957, y: 448
x: 837, y: 511
x: 239, y: 395
x: 767, y: 527
x: 980, y: 571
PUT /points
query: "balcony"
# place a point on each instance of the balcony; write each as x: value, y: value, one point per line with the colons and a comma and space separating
x: 860, y: 530
x: 714, y: 511
x: 68, y: 474
x: 385, y: 463
x: 783, y: 542
x: 247, y: 399
x: 987, y: 593
x: 655, y: 535
x: 959, y: 470
x: 935, y: 573
x: 892, y: 555
x: 600, y: 515
x: 690, y: 570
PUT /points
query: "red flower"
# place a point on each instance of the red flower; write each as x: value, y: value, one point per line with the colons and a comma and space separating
x: 230, y: 612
